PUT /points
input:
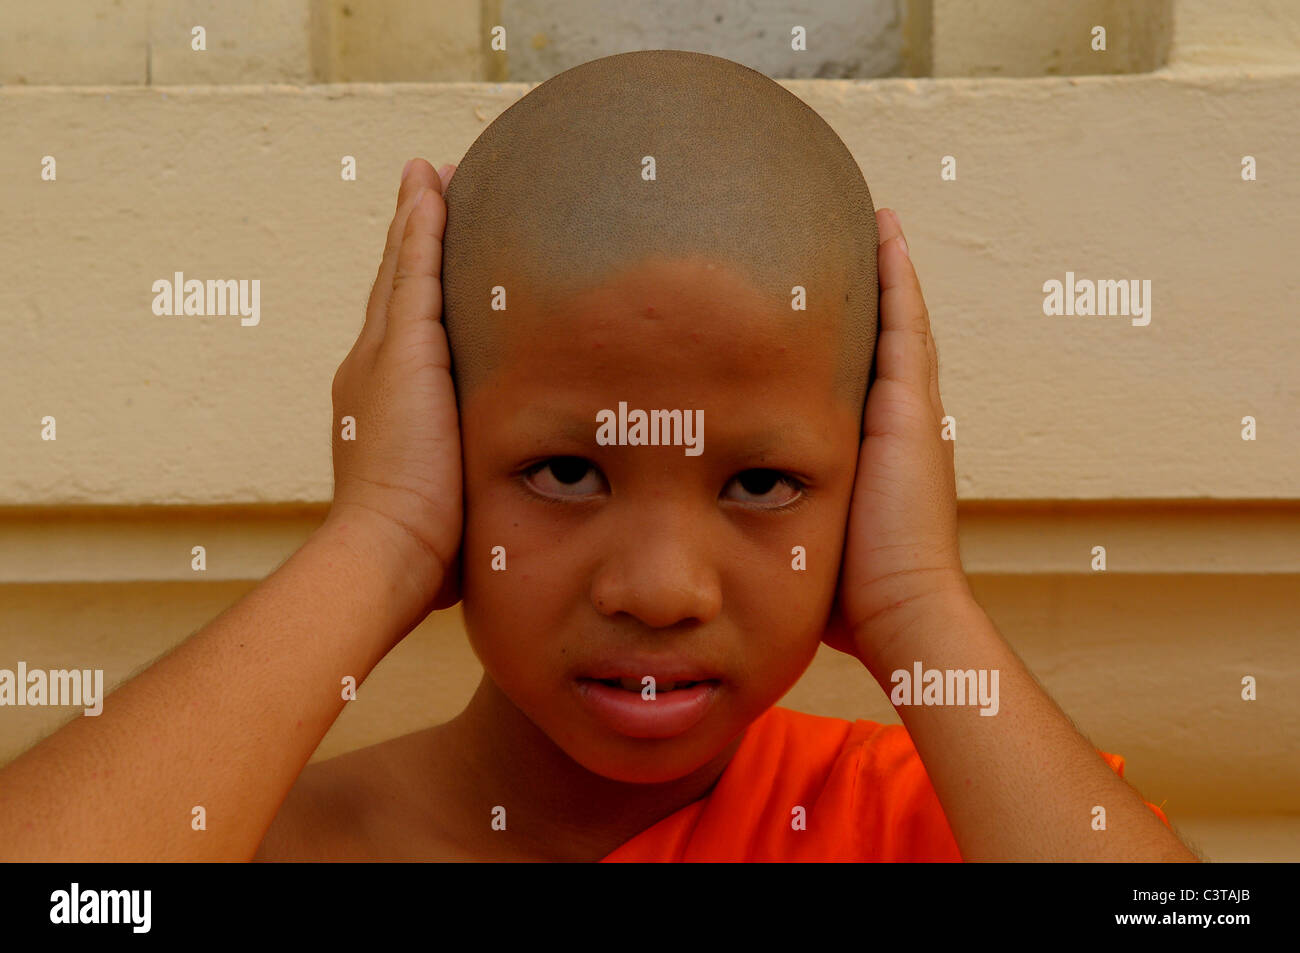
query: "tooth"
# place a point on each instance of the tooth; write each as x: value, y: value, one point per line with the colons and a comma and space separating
x: 628, y: 683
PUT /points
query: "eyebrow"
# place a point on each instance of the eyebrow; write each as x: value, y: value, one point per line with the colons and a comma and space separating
x: 762, y: 443
x: 533, y: 421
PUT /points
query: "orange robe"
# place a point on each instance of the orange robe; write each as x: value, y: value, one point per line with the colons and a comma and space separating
x: 865, y: 792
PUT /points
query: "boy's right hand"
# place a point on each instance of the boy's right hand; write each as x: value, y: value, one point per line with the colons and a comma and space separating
x: 400, y: 478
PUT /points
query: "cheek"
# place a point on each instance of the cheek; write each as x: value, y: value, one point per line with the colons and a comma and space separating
x: 791, y: 576
x: 784, y: 601
x: 512, y: 586
x: 780, y: 620
x: 511, y: 638
x: 494, y: 573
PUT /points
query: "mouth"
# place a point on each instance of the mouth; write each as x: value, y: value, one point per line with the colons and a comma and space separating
x: 621, y: 704
x: 630, y: 684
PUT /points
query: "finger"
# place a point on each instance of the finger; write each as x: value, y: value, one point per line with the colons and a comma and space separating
x: 933, y: 347
x: 419, y: 175
x: 417, y: 277
x: 904, y: 321
x: 445, y: 173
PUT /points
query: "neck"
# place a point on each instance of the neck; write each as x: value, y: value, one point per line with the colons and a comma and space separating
x: 555, y: 808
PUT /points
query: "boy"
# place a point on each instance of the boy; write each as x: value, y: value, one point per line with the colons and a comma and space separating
x: 649, y: 475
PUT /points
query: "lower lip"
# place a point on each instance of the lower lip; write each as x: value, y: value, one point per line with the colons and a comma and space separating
x: 669, y: 714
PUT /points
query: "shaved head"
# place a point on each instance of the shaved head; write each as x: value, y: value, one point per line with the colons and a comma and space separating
x: 556, y: 197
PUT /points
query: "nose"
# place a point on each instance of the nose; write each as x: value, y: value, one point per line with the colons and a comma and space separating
x: 662, y: 570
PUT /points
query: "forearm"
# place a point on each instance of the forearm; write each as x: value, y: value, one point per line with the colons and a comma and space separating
x: 1021, y: 784
x: 225, y: 722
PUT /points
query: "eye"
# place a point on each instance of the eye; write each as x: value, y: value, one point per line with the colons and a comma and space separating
x: 771, y: 489
x: 565, y: 477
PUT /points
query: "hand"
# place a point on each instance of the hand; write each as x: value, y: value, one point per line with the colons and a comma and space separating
x: 901, y: 549
x: 401, y: 476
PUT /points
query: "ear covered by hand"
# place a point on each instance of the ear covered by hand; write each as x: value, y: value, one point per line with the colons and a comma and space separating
x: 398, y: 475
x: 901, y: 550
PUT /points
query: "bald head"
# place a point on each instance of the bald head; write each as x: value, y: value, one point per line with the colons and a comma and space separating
x: 556, y: 197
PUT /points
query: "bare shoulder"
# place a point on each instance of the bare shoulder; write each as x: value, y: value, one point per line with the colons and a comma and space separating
x: 355, y: 807
x: 319, y: 819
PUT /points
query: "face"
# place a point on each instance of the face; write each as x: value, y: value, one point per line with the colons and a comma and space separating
x: 635, y: 561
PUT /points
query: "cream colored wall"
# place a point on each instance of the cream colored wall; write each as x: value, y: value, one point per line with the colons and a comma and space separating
x: 1048, y: 37
x: 1230, y: 34
x: 1072, y: 432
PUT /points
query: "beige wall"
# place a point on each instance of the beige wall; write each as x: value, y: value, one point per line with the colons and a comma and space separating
x: 1048, y: 37
x: 1072, y: 431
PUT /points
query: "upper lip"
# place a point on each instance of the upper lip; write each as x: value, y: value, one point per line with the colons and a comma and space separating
x: 666, y: 670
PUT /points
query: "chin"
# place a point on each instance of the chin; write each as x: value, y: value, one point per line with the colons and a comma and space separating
x: 649, y: 761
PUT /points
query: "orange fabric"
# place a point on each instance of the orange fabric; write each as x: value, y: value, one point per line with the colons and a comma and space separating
x: 865, y: 792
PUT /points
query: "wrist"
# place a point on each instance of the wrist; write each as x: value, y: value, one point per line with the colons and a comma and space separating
x: 402, y: 588
x: 895, y: 637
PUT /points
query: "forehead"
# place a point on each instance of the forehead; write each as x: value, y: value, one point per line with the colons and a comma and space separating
x: 684, y: 323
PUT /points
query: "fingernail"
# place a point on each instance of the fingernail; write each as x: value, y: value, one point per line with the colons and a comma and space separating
x: 406, y: 168
x: 903, y: 241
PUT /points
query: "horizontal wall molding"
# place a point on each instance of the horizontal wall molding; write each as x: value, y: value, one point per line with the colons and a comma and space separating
x: 154, y: 544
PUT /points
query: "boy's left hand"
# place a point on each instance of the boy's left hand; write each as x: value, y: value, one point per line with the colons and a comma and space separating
x: 901, y: 550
